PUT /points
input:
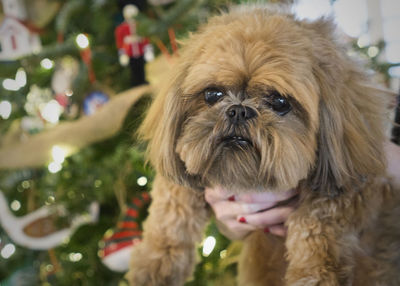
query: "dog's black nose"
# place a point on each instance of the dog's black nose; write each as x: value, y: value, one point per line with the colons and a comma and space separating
x: 238, y: 113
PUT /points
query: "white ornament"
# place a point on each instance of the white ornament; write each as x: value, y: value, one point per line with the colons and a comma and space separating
x: 14, y: 226
x: 15, y: 9
x: 64, y: 75
x: 17, y: 39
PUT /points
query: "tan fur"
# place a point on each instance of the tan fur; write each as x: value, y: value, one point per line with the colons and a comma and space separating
x: 329, y: 146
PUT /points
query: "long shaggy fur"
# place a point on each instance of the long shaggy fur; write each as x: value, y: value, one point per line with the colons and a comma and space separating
x: 329, y: 146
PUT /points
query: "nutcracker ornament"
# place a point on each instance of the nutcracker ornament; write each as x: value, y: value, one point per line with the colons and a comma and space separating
x: 132, y: 48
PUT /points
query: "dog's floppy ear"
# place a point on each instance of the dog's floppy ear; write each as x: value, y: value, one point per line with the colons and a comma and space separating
x: 351, y: 131
x: 162, y: 126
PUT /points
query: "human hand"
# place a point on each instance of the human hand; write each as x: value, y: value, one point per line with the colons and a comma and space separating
x: 238, y: 215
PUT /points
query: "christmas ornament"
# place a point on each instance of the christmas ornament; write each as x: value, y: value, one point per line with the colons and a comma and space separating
x: 64, y: 74
x: 38, y: 230
x: 117, y: 244
x: 18, y: 37
x: 131, y: 47
x: 15, y: 9
x: 94, y: 101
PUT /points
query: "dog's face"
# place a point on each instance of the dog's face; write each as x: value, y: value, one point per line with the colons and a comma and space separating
x: 251, y: 104
x: 257, y: 103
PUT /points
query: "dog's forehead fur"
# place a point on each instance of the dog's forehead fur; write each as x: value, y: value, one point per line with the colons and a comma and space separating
x: 252, y: 49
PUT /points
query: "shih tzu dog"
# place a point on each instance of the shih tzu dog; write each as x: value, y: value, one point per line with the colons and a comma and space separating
x: 261, y: 101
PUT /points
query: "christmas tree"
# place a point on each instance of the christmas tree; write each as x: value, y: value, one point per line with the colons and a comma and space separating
x: 73, y: 180
x: 72, y: 174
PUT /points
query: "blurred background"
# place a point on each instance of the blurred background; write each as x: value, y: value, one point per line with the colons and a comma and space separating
x: 74, y: 187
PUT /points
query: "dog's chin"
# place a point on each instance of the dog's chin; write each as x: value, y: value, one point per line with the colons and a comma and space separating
x: 231, y: 161
x: 235, y: 166
x: 239, y: 162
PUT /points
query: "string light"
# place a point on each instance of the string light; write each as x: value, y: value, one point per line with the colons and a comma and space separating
x: 15, y: 205
x: 26, y: 184
x: 75, y: 257
x: 7, y: 251
x: 363, y: 41
x: 5, y: 109
x: 373, y: 51
x: 51, y: 111
x: 50, y: 200
x: 222, y: 254
x: 49, y: 268
x: 54, y: 167
x: 46, y: 64
x: 82, y: 41
x: 124, y: 60
x: 142, y: 181
x: 20, y: 77
x: 98, y: 183
x: 208, y: 245
x: 17, y: 83
x: 58, y: 153
x: 10, y: 84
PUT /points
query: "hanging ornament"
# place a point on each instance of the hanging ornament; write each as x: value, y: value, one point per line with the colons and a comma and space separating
x: 133, y: 49
x: 61, y: 82
x: 18, y: 37
x: 38, y: 230
x: 116, y: 245
x: 93, y: 101
x: 64, y: 74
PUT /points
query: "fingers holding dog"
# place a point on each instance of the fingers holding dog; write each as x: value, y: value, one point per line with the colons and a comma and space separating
x: 271, y: 220
x: 238, y: 215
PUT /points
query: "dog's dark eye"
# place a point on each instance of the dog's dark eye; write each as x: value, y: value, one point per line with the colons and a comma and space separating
x: 278, y: 103
x: 212, y: 95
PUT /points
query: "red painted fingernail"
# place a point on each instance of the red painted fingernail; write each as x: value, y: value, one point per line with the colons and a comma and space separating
x: 266, y: 230
x: 242, y: 220
x: 231, y: 198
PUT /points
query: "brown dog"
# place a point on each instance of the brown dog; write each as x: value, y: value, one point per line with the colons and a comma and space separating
x: 263, y: 102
